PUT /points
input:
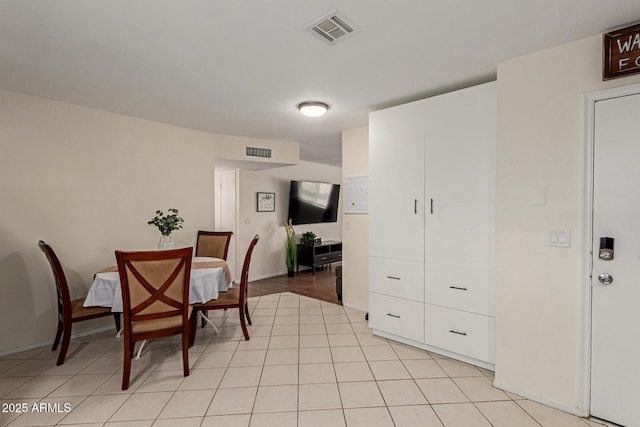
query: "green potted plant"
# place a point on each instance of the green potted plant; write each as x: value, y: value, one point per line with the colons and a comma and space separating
x: 166, y: 224
x: 308, y: 238
x: 290, y: 248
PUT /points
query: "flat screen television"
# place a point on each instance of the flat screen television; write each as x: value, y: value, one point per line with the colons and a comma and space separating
x: 313, y: 202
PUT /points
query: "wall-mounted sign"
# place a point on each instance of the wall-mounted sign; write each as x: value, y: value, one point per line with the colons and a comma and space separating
x: 621, y: 52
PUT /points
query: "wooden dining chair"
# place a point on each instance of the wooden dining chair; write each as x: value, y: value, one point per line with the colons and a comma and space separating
x: 213, y: 244
x: 155, y: 299
x: 235, y: 297
x: 70, y: 311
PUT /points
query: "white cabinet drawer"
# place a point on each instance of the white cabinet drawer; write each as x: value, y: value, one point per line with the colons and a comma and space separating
x: 464, y: 333
x: 397, y: 316
x: 397, y: 278
x: 464, y: 288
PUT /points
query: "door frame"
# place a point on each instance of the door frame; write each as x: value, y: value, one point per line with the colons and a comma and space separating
x: 590, y: 99
x: 232, y: 257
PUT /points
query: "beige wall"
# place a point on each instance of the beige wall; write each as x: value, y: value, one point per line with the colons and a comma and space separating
x: 268, y: 257
x: 539, y: 289
x: 355, y: 227
x: 87, y: 181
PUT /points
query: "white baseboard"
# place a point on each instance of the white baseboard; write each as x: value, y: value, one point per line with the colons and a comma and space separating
x: 267, y: 276
x: 50, y: 343
x: 542, y: 400
x: 355, y: 307
x: 270, y: 275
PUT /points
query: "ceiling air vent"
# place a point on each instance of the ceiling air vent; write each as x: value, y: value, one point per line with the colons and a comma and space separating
x: 332, y: 28
x: 264, y: 153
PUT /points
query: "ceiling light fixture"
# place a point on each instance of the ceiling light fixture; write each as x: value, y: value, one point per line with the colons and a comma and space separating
x: 313, y: 109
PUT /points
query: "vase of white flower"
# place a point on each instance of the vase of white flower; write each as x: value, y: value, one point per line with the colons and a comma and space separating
x: 167, y: 224
x: 166, y: 242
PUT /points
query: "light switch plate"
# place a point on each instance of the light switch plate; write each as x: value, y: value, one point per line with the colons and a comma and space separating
x: 559, y: 238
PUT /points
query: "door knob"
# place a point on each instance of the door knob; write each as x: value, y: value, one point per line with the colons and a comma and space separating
x: 605, y: 278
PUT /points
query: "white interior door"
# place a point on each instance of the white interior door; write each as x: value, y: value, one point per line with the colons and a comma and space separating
x: 228, y: 214
x: 615, y: 315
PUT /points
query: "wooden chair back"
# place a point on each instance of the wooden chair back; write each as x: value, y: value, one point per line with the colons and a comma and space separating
x: 155, y: 284
x: 69, y: 311
x: 155, y: 299
x: 213, y: 243
x: 62, y: 287
x: 244, y: 277
x: 235, y: 297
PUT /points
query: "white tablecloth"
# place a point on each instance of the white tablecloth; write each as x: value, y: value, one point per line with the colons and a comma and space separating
x: 204, y: 286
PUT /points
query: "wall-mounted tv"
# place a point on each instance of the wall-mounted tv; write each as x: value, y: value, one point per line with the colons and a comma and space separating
x: 313, y: 202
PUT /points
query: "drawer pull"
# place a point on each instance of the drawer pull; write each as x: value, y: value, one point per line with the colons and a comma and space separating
x: 393, y: 277
x: 456, y: 332
x: 457, y: 288
x: 324, y: 257
x: 395, y: 315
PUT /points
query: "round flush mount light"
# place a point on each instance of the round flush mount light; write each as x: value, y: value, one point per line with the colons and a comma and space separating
x: 313, y: 109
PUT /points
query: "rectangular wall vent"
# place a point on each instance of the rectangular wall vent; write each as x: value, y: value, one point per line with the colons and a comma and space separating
x: 332, y: 27
x: 264, y: 153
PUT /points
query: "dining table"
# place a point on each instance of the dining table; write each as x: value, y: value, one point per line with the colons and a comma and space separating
x: 209, y: 276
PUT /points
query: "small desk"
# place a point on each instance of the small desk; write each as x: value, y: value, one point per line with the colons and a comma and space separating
x: 204, y: 285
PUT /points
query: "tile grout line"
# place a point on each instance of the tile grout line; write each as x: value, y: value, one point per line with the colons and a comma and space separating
x: 326, y: 311
x: 225, y: 369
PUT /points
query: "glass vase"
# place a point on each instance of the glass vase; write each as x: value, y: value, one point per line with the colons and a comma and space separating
x: 166, y: 242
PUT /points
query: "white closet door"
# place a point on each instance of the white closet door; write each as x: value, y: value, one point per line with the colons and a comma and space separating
x: 460, y: 179
x: 396, y: 182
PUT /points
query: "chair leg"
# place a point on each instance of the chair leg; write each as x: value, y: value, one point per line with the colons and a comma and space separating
x: 126, y: 371
x: 243, y: 323
x: 193, y: 327
x: 246, y: 312
x: 116, y: 318
x: 66, y: 338
x: 185, y: 352
x: 132, y: 346
x: 58, y: 336
x: 204, y: 322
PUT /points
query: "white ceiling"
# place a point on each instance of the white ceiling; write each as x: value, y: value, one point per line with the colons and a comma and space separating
x: 240, y: 67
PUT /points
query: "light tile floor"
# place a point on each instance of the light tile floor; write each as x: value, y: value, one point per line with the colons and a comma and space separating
x: 308, y: 363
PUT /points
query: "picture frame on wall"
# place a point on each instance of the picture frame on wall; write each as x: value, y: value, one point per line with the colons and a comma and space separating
x: 266, y: 202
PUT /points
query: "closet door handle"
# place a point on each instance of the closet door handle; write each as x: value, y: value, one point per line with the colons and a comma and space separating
x: 432, y: 206
x: 415, y: 206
